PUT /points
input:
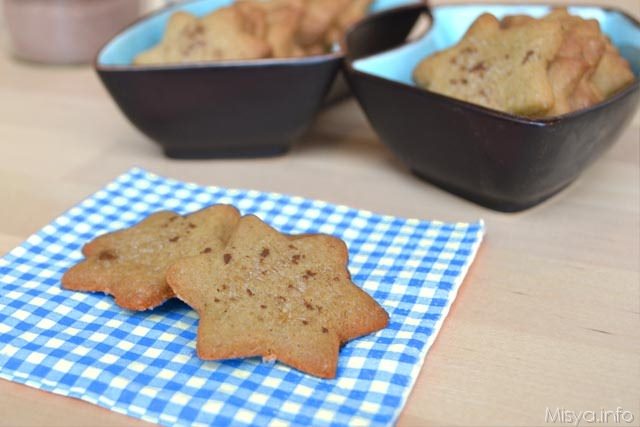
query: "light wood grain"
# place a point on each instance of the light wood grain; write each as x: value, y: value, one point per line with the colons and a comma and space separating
x: 549, y: 315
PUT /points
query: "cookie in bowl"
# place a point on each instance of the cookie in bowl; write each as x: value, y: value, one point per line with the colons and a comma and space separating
x: 504, y: 105
x: 255, y: 29
x: 222, y: 79
x: 530, y: 67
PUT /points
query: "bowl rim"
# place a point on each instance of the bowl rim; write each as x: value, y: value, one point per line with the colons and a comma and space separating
x: 476, y: 108
x: 229, y: 63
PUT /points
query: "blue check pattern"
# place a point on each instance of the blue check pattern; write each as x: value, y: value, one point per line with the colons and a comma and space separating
x: 144, y: 364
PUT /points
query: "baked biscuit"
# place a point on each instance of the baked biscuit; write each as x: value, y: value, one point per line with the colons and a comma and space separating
x: 283, y: 19
x: 500, y: 68
x: 612, y: 74
x: 225, y: 34
x: 319, y: 17
x: 280, y: 297
x: 131, y: 264
x: 587, y: 68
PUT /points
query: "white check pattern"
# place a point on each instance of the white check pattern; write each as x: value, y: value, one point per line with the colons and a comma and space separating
x: 144, y: 364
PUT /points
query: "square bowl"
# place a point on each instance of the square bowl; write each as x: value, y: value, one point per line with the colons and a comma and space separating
x: 246, y: 108
x: 501, y: 161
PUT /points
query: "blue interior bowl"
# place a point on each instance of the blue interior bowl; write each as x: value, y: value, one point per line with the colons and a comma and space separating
x: 216, y: 109
x: 501, y: 161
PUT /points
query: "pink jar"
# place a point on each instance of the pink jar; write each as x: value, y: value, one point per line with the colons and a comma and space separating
x: 65, y: 31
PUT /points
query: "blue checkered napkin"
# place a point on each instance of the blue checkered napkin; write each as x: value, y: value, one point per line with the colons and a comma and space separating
x: 144, y: 364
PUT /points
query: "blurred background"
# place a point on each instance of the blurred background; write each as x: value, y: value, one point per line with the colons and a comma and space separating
x: 73, y: 29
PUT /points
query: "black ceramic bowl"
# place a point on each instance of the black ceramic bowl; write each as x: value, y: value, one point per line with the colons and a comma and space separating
x: 501, y: 161
x: 217, y: 109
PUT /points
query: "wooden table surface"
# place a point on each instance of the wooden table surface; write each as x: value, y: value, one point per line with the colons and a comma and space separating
x: 547, y: 318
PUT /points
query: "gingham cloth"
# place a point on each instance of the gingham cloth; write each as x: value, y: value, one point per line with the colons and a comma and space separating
x: 144, y: 364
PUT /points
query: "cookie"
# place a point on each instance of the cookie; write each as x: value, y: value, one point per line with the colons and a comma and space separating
x: 612, y: 74
x: 565, y: 74
x: 225, y: 34
x: 284, y: 298
x: 320, y: 16
x: 586, y: 69
x: 282, y: 22
x: 500, y: 68
x: 130, y: 264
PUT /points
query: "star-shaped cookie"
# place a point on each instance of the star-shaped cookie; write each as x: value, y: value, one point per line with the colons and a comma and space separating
x: 498, y: 68
x: 130, y: 264
x: 288, y: 298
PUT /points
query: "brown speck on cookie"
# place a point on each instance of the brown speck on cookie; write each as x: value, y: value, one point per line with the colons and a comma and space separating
x: 264, y: 253
x: 216, y: 300
x: 527, y: 57
x: 225, y: 287
x: 295, y: 259
x: 107, y: 255
x: 262, y: 306
x: 174, y: 239
x: 227, y: 258
x: 480, y: 67
x: 305, y: 322
x: 173, y: 218
x: 325, y: 330
x: 249, y: 292
x: 292, y: 247
x: 308, y: 305
x: 206, y: 251
x: 192, y: 225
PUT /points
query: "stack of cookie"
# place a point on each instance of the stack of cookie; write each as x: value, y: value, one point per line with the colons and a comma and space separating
x: 258, y: 292
x: 254, y: 29
x: 533, y: 67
